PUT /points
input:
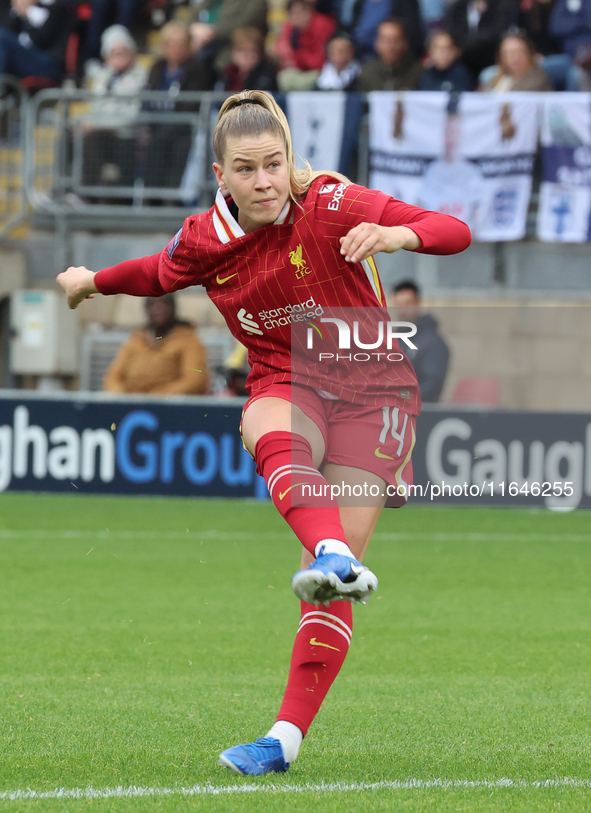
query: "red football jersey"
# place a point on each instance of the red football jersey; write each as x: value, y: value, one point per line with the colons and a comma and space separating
x: 292, y: 271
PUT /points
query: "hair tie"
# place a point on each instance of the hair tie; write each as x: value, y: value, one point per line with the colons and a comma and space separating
x: 244, y: 101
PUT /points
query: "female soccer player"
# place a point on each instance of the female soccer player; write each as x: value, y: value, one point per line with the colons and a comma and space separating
x: 279, y: 248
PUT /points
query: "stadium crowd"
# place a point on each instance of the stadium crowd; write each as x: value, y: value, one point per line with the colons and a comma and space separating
x: 365, y: 45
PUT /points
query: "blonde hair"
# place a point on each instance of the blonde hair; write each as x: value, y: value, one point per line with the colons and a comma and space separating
x: 236, y: 120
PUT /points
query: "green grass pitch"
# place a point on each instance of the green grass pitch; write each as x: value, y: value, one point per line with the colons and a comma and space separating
x: 139, y: 637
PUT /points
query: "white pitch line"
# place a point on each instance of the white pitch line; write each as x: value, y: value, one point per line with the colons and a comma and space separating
x: 135, y: 791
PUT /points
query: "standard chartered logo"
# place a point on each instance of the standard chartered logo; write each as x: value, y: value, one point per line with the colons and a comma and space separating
x: 248, y: 323
x: 280, y: 316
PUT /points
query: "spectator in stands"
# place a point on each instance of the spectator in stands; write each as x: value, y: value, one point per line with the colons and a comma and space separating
x: 109, y: 144
x: 236, y: 370
x: 361, y: 18
x: 249, y: 69
x: 301, y: 45
x: 518, y: 68
x: 121, y: 12
x: 431, y: 358
x: 341, y: 69
x: 447, y: 71
x: 534, y: 19
x: 212, y: 23
x: 477, y: 26
x: 396, y: 67
x: 168, y: 145
x: 177, y: 69
x: 34, y: 38
x: 570, y: 23
x: 165, y: 357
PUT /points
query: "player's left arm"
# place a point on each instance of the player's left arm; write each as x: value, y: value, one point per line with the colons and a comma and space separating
x: 402, y: 226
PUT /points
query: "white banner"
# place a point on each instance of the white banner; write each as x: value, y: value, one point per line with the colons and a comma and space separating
x: 316, y: 120
x: 564, y: 213
x: 470, y: 156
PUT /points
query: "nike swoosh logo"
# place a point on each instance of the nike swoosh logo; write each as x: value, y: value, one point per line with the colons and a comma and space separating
x: 282, y: 494
x: 379, y: 454
x: 314, y: 642
x: 221, y: 280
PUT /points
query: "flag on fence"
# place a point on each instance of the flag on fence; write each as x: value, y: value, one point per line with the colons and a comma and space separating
x: 325, y: 127
x: 468, y: 155
x: 316, y: 122
x: 564, y: 213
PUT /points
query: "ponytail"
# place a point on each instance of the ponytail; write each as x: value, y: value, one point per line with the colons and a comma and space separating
x: 252, y: 113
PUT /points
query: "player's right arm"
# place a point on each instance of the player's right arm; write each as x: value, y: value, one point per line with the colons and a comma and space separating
x: 175, y: 267
x: 78, y: 284
x: 135, y: 277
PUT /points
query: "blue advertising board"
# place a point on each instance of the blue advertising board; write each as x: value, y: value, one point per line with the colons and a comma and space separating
x: 503, y: 458
x: 190, y: 446
x: 174, y: 446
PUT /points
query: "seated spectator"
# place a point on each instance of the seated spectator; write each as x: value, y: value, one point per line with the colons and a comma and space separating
x: 168, y: 145
x: 396, y: 67
x: 165, y: 357
x: 369, y: 14
x: 432, y: 12
x: 446, y: 71
x: 301, y: 45
x: 534, y: 19
x: 120, y: 12
x: 249, y: 69
x: 477, y: 26
x: 34, y: 38
x: 517, y: 67
x: 341, y: 69
x: 212, y: 23
x: 109, y: 143
x: 236, y: 369
x: 431, y: 358
x: 570, y: 23
x: 177, y: 69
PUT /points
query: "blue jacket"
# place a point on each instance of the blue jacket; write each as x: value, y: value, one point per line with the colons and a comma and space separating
x: 455, y: 79
x: 572, y: 28
x: 430, y: 360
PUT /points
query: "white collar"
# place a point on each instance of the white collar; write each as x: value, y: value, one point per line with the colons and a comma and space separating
x: 226, y: 225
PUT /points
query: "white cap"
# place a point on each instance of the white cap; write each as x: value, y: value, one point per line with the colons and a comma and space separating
x: 116, y: 35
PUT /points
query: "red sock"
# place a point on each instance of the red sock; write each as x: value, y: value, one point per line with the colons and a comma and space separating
x: 285, y: 461
x: 320, y: 648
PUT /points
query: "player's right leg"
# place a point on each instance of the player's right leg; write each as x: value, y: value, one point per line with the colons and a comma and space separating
x: 288, y: 445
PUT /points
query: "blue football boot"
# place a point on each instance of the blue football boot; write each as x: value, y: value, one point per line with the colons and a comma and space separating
x: 334, y: 577
x: 255, y: 758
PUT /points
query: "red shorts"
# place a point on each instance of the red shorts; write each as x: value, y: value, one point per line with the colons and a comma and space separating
x: 375, y: 439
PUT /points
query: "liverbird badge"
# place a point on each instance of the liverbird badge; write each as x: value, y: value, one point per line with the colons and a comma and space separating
x: 296, y: 258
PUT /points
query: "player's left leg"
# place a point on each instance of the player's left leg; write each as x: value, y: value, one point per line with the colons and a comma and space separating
x: 320, y: 648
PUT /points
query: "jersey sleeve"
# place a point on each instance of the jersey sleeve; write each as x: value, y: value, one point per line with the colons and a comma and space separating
x: 439, y: 233
x: 176, y: 267
x: 341, y: 207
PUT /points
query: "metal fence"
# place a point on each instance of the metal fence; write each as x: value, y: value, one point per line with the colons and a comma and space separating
x: 158, y: 156
x: 13, y: 204
x: 84, y: 161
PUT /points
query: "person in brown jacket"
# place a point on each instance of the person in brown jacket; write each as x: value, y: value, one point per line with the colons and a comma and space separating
x: 396, y: 67
x: 518, y: 68
x: 164, y: 358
